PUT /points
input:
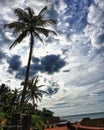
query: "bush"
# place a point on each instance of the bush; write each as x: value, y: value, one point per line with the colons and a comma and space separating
x: 3, y: 120
x: 37, y: 122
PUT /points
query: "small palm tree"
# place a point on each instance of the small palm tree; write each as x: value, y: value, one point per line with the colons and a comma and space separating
x: 15, y: 98
x: 34, y: 93
x: 33, y: 25
x: 4, y: 94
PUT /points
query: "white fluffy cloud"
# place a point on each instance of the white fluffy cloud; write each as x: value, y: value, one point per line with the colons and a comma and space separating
x: 61, y: 7
x: 95, y: 19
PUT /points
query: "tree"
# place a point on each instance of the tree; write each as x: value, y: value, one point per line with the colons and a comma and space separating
x: 15, y: 98
x: 34, y: 93
x: 47, y: 113
x: 33, y: 25
x: 9, y: 99
x: 4, y: 96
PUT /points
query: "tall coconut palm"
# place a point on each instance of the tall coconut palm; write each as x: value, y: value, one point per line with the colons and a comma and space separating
x: 32, y: 25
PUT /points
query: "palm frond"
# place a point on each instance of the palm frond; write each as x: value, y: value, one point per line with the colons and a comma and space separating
x: 38, y: 96
x: 41, y: 23
x: 30, y: 11
x: 45, y: 31
x: 36, y: 79
x: 50, y: 21
x: 38, y: 37
x: 43, y: 92
x: 41, y: 14
x: 22, y: 14
x: 38, y: 21
x: 41, y: 86
x: 17, y: 26
x: 19, y: 39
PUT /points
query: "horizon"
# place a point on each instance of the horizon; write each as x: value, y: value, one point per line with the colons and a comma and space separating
x: 83, y: 114
x: 70, y: 65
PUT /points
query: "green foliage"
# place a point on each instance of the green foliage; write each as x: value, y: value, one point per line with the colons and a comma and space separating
x: 3, y: 120
x: 37, y: 122
x: 47, y: 113
x: 1, y: 128
x: 44, y: 113
x: 9, y: 99
x: 2, y: 115
x: 33, y: 92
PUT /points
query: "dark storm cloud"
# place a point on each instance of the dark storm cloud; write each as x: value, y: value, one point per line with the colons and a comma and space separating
x: 21, y: 73
x: 52, y: 88
x: 51, y: 91
x: 100, y: 39
x: 48, y: 64
x: 35, y: 68
x: 52, y: 63
x: 14, y: 63
x: 35, y: 59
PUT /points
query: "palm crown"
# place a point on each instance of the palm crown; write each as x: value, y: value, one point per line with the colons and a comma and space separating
x: 28, y: 23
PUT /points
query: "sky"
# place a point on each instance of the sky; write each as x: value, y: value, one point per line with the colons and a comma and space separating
x: 70, y: 65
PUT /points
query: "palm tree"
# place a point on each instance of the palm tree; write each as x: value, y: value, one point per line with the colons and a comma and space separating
x: 15, y: 98
x: 4, y: 94
x: 34, y: 93
x: 33, y: 25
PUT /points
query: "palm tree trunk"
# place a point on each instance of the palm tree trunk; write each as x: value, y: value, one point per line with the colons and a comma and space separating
x: 33, y: 104
x: 27, y: 74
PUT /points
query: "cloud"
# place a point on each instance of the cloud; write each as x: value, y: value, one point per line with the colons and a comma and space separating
x: 73, y: 18
x: 48, y: 64
x: 52, y: 63
x: 14, y: 63
x: 62, y: 6
x: 77, y: 100
x: 7, y: 8
x: 51, y: 91
x: 3, y: 39
x: 21, y: 73
x: 53, y: 87
x: 94, y: 30
x: 35, y: 59
x: 2, y: 56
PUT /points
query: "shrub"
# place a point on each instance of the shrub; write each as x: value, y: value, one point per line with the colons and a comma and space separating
x: 37, y: 122
x: 3, y: 120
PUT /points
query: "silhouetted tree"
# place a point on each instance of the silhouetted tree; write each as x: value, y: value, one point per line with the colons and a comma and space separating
x: 33, y: 25
x: 34, y: 93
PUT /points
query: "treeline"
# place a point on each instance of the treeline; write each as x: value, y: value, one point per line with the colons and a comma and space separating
x: 10, y: 99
